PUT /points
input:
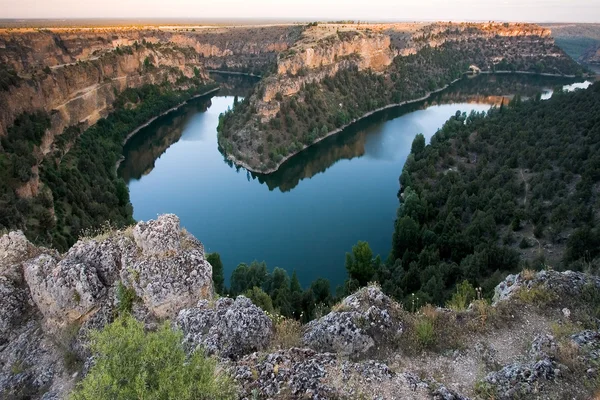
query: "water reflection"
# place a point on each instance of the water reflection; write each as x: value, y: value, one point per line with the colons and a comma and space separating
x: 359, y: 141
x: 143, y: 149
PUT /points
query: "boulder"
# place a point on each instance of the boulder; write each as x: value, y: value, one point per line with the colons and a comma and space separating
x: 106, y: 256
x: 366, y: 321
x: 171, y: 272
x: 568, y: 283
x: 14, y: 249
x: 522, y: 378
x: 228, y: 328
x: 64, y: 291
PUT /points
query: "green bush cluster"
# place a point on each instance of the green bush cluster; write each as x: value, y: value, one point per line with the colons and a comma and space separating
x: 131, y: 363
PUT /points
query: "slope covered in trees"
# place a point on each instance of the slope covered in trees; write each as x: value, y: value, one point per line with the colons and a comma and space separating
x: 493, y: 192
x: 79, y: 188
x: 321, y: 106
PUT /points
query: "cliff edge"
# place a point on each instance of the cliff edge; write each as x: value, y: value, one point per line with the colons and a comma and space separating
x: 539, y: 337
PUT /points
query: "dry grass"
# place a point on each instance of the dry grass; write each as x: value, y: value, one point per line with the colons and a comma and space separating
x: 288, y: 334
x: 528, y: 275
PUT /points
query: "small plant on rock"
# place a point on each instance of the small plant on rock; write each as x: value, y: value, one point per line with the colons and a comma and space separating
x: 131, y: 363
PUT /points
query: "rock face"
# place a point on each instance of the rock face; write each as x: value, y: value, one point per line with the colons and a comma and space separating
x: 164, y: 265
x: 568, y: 283
x: 230, y: 328
x: 14, y: 249
x: 366, y: 322
x: 49, y: 302
x: 305, y: 374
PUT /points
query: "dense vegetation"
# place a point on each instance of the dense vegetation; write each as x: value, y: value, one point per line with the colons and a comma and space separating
x: 492, y: 185
x: 321, y: 107
x: 79, y: 181
x: 516, y: 187
x: 131, y: 363
x: 275, y: 291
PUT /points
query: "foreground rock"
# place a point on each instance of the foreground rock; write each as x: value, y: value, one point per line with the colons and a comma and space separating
x: 305, y: 374
x: 164, y: 265
x: 49, y: 302
x: 228, y: 328
x: 365, y: 322
x: 567, y: 284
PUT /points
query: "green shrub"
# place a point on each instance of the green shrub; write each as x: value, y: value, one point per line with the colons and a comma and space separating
x: 425, y: 333
x: 134, y: 364
x: 126, y: 297
x: 464, y: 295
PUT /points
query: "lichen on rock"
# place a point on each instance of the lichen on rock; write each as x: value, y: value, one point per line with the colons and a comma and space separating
x: 229, y: 328
x: 365, y: 322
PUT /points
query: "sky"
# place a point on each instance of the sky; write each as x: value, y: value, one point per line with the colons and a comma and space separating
x: 372, y: 10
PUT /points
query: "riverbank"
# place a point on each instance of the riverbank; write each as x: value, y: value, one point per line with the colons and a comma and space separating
x: 240, y: 163
x: 216, y: 71
x: 151, y: 120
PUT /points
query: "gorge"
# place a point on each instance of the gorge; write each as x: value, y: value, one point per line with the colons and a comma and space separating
x: 176, y: 202
x: 309, y: 205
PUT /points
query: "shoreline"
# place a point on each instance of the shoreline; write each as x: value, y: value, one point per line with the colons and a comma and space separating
x: 368, y: 114
x: 338, y: 130
x: 217, y: 71
x: 151, y: 120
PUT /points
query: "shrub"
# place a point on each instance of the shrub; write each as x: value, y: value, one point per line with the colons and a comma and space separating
x: 133, y: 364
x: 465, y: 293
x: 425, y: 333
x: 260, y: 299
x: 126, y: 297
x: 288, y: 333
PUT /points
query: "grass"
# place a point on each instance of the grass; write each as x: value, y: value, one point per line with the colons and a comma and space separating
x: 537, y: 296
x: 425, y: 333
x: 288, y: 334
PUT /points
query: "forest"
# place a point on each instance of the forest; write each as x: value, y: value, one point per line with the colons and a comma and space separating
x: 475, y: 205
x: 321, y: 107
x: 80, y: 189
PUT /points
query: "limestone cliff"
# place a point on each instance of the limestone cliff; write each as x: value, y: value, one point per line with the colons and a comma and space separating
x: 336, y: 73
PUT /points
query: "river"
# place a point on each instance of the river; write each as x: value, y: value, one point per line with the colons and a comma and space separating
x: 309, y: 213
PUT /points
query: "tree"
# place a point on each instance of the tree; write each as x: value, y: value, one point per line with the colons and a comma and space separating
x: 130, y: 363
x: 360, y: 264
x: 418, y: 144
x: 260, y: 299
x: 217, y: 272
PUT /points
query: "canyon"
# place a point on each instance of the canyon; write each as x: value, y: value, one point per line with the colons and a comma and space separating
x: 263, y: 133
x: 79, y: 76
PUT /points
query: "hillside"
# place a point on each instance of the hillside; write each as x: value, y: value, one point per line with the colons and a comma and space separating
x: 329, y: 79
x: 516, y: 187
x: 537, y: 338
x: 578, y: 41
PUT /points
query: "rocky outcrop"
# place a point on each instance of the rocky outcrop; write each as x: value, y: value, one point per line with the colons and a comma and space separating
x: 14, y: 249
x: 164, y: 265
x: 569, y: 284
x: 303, y: 373
x: 365, y: 322
x: 229, y: 328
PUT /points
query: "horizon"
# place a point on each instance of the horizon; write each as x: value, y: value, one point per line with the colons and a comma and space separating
x: 533, y: 11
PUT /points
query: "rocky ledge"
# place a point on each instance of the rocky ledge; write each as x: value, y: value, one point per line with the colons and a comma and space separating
x: 539, y: 338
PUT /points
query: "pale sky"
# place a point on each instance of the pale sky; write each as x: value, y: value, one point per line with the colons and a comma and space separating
x: 389, y: 10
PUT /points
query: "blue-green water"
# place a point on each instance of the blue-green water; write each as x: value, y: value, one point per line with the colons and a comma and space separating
x: 307, y: 215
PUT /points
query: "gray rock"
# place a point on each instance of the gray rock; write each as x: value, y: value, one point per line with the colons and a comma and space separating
x: 522, y: 378
x: 567, y: 283
x: 229, y: 328
x: 14, y: 249
x: 64, y: 291
x: 106, y: 256
x: 171, y: 273
x: 13, y: 301
x: 367, y: 321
